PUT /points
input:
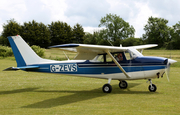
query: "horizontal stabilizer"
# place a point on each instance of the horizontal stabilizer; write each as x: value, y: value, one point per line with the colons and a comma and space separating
x: 19, y: 68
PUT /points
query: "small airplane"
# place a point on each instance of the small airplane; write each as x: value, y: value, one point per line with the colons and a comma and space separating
x: 96, y: 61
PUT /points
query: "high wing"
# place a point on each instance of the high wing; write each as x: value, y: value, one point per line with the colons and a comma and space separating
x: 88, y: 52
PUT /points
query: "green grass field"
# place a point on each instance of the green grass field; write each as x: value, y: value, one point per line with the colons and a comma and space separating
x: 25, y: 93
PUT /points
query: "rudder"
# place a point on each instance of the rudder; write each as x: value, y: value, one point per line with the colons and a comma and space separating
x: 23, y: 53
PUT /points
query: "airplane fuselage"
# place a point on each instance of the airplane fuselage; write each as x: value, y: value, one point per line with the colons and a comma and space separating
x: 106, y: 62
x: 138, y: 68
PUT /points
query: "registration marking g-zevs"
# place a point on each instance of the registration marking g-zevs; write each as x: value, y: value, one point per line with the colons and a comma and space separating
x: 63, y: 68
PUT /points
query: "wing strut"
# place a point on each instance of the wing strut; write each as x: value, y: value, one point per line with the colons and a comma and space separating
x: 120, y: 67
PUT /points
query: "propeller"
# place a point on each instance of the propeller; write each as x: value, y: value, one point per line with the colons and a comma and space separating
x: 167, y: 69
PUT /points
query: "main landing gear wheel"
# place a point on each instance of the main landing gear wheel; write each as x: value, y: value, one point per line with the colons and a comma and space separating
x: 107, y: 88
x: 123, y: 84
x: 152, y: 88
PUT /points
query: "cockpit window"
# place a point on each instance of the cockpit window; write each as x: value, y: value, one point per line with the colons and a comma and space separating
x: 134, y: 53
x: 119, y: 56
x: 128, y: 56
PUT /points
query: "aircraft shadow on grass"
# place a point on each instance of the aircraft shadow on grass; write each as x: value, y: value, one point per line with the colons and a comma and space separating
x: 78, y: 96
x: 75, y: 96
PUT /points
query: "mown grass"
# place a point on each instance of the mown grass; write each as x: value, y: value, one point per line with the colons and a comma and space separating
x: 39, y: 93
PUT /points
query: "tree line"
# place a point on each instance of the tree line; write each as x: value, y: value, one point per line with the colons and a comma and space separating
x: 116, y: 31
x: 35, y: 33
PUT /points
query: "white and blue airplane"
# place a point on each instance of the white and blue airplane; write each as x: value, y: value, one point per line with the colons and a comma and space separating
x: 97, y: 61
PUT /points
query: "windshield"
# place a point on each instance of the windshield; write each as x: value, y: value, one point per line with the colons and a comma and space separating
x: 134, y: 53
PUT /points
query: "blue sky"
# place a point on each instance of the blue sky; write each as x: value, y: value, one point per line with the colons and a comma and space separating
x: 89, y: 12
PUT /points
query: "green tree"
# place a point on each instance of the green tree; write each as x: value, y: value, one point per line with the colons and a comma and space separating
x: 89, y: 38
x: 157, y: 32
x: 117, y: 29
x: 175, y: 37
x: 78, y: 33
x: 97, y: 38
x: 102, y: 37
x: 35, y: 33
x: 61, y: 33
x: 132, y: 41
x: 10, y: 29
x: 1, y: 40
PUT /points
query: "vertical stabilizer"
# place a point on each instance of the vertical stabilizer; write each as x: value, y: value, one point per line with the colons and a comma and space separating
x: 22, y: 51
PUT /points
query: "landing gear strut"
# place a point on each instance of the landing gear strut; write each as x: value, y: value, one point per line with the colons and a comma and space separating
x: 107, y: 88
x: 152, y: 87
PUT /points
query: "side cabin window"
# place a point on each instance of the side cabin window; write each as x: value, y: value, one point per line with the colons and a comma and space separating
x: 123, y: 56
x: 100, y: 58
x: 119, y: 56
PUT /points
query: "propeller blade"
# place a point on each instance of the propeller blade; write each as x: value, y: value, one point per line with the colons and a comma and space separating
x: 167, y: 70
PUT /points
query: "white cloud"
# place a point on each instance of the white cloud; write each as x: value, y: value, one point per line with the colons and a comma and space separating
x: 89, y: 12
x: 122, y: 8
x: 10, y: 10
x: 13, y: 9
x: 92, y: 29
x: 140, y: 20
x: 56, y: 9
x: 86, y: 12
x: 167, y: 9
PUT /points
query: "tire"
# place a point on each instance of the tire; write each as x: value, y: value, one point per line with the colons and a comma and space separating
x: 107, y: 88
x: 123, y: 84
x: 152, y: 88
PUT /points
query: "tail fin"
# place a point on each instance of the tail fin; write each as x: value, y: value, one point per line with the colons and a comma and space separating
x: 22, y: 51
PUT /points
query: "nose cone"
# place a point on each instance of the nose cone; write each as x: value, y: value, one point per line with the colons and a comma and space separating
x: 171, y: 61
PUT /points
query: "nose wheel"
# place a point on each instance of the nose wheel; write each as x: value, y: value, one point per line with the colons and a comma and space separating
x: 152, y: 87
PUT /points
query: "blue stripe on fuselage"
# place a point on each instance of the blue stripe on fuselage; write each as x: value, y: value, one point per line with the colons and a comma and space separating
x: 73, y: 68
